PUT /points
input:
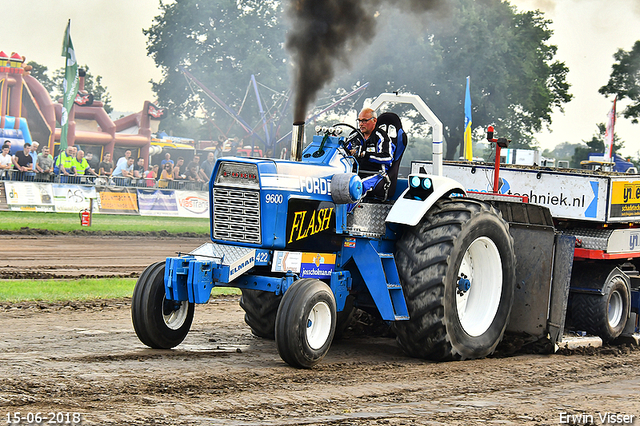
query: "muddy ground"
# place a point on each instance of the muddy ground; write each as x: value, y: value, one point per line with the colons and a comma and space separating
x: 66, y: 358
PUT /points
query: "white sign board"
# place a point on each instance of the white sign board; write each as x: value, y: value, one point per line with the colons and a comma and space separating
x: 29, y: 196
x: 570, y: 196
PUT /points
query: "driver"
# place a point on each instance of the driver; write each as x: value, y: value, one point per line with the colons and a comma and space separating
x: 374, y: 154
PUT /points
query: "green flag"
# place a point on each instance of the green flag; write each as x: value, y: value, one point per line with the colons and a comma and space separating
x: 70, y: 85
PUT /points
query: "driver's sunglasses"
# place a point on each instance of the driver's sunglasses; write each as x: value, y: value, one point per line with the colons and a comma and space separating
x: 363, y: 120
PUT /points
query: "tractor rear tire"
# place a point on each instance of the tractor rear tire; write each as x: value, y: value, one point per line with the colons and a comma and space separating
x: 260, y: 310
x: 158, y: 322
x: 458, y: 240
x: 603, y: 315
x: 306, y: 323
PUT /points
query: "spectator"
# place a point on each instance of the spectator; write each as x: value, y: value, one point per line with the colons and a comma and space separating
x: 44, y: 163
x: 22, y: 162
x: 192, y: 173
x: 166, y: 175
x: 124, y: 171
x: 151, y: 176
x: 202, y: 176
x: 81, y: 165
x: 105, y: 168
x: 123, y: 160
x: 34, y: 154
x: 92, y: 160
x: 6, y: 161
x: 8, y: 142
x: 167, y: 159
x: 177, y: 172
x: 217, y: 151
x: 207, y: 166
x: 63, y: 163
x: 138, y: 169
x: 235, y: 144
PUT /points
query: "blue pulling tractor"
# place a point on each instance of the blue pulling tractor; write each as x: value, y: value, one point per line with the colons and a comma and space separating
x: 304, y: 246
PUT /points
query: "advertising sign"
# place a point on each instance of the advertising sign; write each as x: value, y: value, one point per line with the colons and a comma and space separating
x: 113, y: 200
x: 625, y: 199
x: 73, y: 198
x: 570, y: 196
x: 192, y: 203
x: 29, y: 196
x: 307, y: 265
x: 157, y: 202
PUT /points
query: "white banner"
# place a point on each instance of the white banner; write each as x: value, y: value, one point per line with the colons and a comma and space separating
x: 193, y: 203
x: 73, y: 198
x: 29, y: 196
x: 157, y: 202
x: 567, y: 195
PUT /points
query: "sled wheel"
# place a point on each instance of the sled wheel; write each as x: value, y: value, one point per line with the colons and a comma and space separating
x: 457, y: 270
x: 603, y: 315
x: 305, y: 323
x: 260, y: 309
x: 159, y: 323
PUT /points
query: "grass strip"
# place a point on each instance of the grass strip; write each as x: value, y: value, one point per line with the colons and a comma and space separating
x: 68, y: 222
x: 81, y: 289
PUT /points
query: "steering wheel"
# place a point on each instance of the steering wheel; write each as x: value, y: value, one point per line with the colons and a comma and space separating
x: 355, y: 136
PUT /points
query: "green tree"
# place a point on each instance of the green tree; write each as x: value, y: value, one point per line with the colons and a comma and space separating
x: 515, y: 84
x: 41, y: 73
x: 222, y: 43
x: 624, y: 80
x: 53, y: 85
x: 595, y: 145
x: 92, y: 85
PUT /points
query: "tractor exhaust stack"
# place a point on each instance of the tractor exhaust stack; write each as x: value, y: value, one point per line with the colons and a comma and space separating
x: 297, y: 140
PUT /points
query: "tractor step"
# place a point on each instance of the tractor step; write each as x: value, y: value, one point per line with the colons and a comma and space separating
x: 381, y: 277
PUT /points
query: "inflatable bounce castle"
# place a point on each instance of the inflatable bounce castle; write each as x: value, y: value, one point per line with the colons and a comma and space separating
x: 28, y: 113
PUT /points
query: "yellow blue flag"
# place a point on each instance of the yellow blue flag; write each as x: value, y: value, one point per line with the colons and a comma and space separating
x: 70, y: 85
x: 468, y: 152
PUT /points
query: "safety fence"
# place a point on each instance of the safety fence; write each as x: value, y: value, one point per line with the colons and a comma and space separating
x: 139, y: 182
x: 109, y: 199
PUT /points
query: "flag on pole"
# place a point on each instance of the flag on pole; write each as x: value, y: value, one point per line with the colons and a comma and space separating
x: 468, y: 151
x: 608, y: 136
x: 70, y: 85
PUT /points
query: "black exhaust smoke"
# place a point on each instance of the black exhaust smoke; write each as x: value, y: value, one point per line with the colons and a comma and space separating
x: 325, y: 32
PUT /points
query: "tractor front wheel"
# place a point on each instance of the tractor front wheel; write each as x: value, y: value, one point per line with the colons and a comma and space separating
x: 160, y: 323
x: 305, y: 323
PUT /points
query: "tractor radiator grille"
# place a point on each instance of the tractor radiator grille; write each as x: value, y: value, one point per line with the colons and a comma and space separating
x: 236, y: 215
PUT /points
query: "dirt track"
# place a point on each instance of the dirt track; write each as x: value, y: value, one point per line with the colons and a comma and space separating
x: 85, y: 358
x: 42, y: 256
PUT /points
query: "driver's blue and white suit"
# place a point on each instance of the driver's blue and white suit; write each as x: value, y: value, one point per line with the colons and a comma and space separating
x: 374, y: 156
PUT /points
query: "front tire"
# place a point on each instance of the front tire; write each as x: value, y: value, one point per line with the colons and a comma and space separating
x: 457, y: 270
x: 305, y: 323
x: 158, y: 322
x: 603, y: 315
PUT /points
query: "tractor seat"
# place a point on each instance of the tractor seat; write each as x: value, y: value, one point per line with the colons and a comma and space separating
x: 390, y: 123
